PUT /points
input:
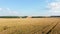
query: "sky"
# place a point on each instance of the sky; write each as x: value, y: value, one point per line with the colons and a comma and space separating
x: 29, y: 7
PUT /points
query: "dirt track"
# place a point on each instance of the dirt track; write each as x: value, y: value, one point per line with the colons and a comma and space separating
x: 56, y: 30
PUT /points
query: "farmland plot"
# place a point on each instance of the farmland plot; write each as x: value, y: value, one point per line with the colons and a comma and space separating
x: 28, y: 25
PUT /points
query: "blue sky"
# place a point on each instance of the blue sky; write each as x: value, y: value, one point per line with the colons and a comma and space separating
x: 29, y: 7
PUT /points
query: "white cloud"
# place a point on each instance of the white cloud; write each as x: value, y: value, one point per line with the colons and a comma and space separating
x: 0, y: 9
x: 8, y: 11
x: 54, y: 8
x: 8, y: 8
x: 13, y: 12
x: 58, y: 0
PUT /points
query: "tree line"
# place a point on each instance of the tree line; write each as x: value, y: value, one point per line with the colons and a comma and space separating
x: 27, y: 16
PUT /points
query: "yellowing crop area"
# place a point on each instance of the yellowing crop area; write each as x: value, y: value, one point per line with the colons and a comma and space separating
x: 29, y: 25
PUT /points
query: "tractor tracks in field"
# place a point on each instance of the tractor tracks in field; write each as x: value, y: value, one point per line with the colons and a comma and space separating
x: 47, y: 30
x: 50, y: 28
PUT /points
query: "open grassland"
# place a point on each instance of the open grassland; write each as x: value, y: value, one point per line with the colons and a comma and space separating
x: 29, y: 26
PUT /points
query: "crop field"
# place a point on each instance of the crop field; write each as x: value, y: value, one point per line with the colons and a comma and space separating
x: 29, y: 25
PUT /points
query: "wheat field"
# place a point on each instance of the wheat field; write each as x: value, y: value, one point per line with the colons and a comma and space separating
x: 29, y: 26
